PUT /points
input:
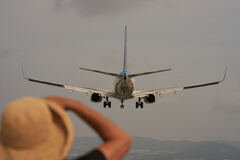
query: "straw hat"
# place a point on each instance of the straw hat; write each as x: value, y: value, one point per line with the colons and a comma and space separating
x: 35, y: 129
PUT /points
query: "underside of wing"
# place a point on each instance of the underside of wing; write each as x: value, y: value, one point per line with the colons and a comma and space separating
x: 139, y: 94
x: 104, y: 93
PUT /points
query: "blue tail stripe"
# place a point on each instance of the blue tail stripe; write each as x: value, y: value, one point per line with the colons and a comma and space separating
x: 124, y: 73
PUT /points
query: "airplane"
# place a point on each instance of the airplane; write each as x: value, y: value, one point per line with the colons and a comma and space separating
x: 124, y: 86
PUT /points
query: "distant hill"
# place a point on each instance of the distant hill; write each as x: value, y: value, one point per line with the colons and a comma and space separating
x: 152, y: 149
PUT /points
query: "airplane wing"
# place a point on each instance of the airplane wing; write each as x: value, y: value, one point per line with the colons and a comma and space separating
x: 140, y: 94
x: 103, y: 93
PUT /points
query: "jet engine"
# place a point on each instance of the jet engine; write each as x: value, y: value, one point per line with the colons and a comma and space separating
x: 96, y: 97
x: 149, y: 98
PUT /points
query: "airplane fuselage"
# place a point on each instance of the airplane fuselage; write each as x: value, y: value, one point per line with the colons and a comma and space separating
x: 124, y: 88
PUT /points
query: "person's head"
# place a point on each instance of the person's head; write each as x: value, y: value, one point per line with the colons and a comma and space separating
x: 34, y: 129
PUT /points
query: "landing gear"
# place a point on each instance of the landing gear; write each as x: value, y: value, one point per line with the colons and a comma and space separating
x: 122, y: 106
x: 139, y: 103
x: 107, y: 103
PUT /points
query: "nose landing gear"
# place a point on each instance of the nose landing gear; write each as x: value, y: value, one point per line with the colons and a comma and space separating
x: 122, y: 106
x: 139, y: 103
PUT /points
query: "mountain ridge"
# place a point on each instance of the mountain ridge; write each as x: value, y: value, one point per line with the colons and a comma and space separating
x: 153, y: 149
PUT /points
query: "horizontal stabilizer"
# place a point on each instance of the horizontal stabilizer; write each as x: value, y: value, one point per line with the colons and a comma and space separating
x: 107, y: 73
x: 145, y: 73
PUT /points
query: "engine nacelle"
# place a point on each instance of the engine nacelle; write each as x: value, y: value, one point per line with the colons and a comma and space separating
x: 149, y: 98
x: 96, y: 98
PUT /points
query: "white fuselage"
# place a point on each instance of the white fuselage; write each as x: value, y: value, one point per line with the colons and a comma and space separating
x: 124, y: 88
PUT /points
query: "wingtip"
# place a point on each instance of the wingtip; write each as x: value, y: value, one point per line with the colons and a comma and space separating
x: 167, y: 69
x: 83, y: 68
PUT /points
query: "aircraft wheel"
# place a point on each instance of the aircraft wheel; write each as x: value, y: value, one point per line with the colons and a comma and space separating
x: 137, y: 104
x: 122, y: 106
x: 104, y: 104
x: 109, y: 104
x: 141, y: 104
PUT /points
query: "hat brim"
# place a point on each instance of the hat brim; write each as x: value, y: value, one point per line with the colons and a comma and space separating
x: 55, y: 148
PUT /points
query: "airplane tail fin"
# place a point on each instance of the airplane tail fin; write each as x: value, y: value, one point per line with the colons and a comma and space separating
x: 124, y: 73
x: 124, y: 62
x: 125, y: 52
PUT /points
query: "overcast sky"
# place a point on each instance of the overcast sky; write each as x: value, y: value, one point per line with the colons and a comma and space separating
x: 197, y: 39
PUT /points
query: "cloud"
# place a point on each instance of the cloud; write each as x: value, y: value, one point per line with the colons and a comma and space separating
x: 110, y: 7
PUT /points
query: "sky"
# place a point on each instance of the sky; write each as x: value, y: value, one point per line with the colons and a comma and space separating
x: 196, y: 39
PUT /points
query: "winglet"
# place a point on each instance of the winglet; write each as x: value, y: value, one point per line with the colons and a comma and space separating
x: 225, y: 73
x: 23, y: 72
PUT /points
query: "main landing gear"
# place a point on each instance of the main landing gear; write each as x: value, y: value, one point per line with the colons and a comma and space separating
x: 107, y: 103
x: 139, y: 103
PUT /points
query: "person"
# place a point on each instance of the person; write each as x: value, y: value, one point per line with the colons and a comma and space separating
x: 40, y: 129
